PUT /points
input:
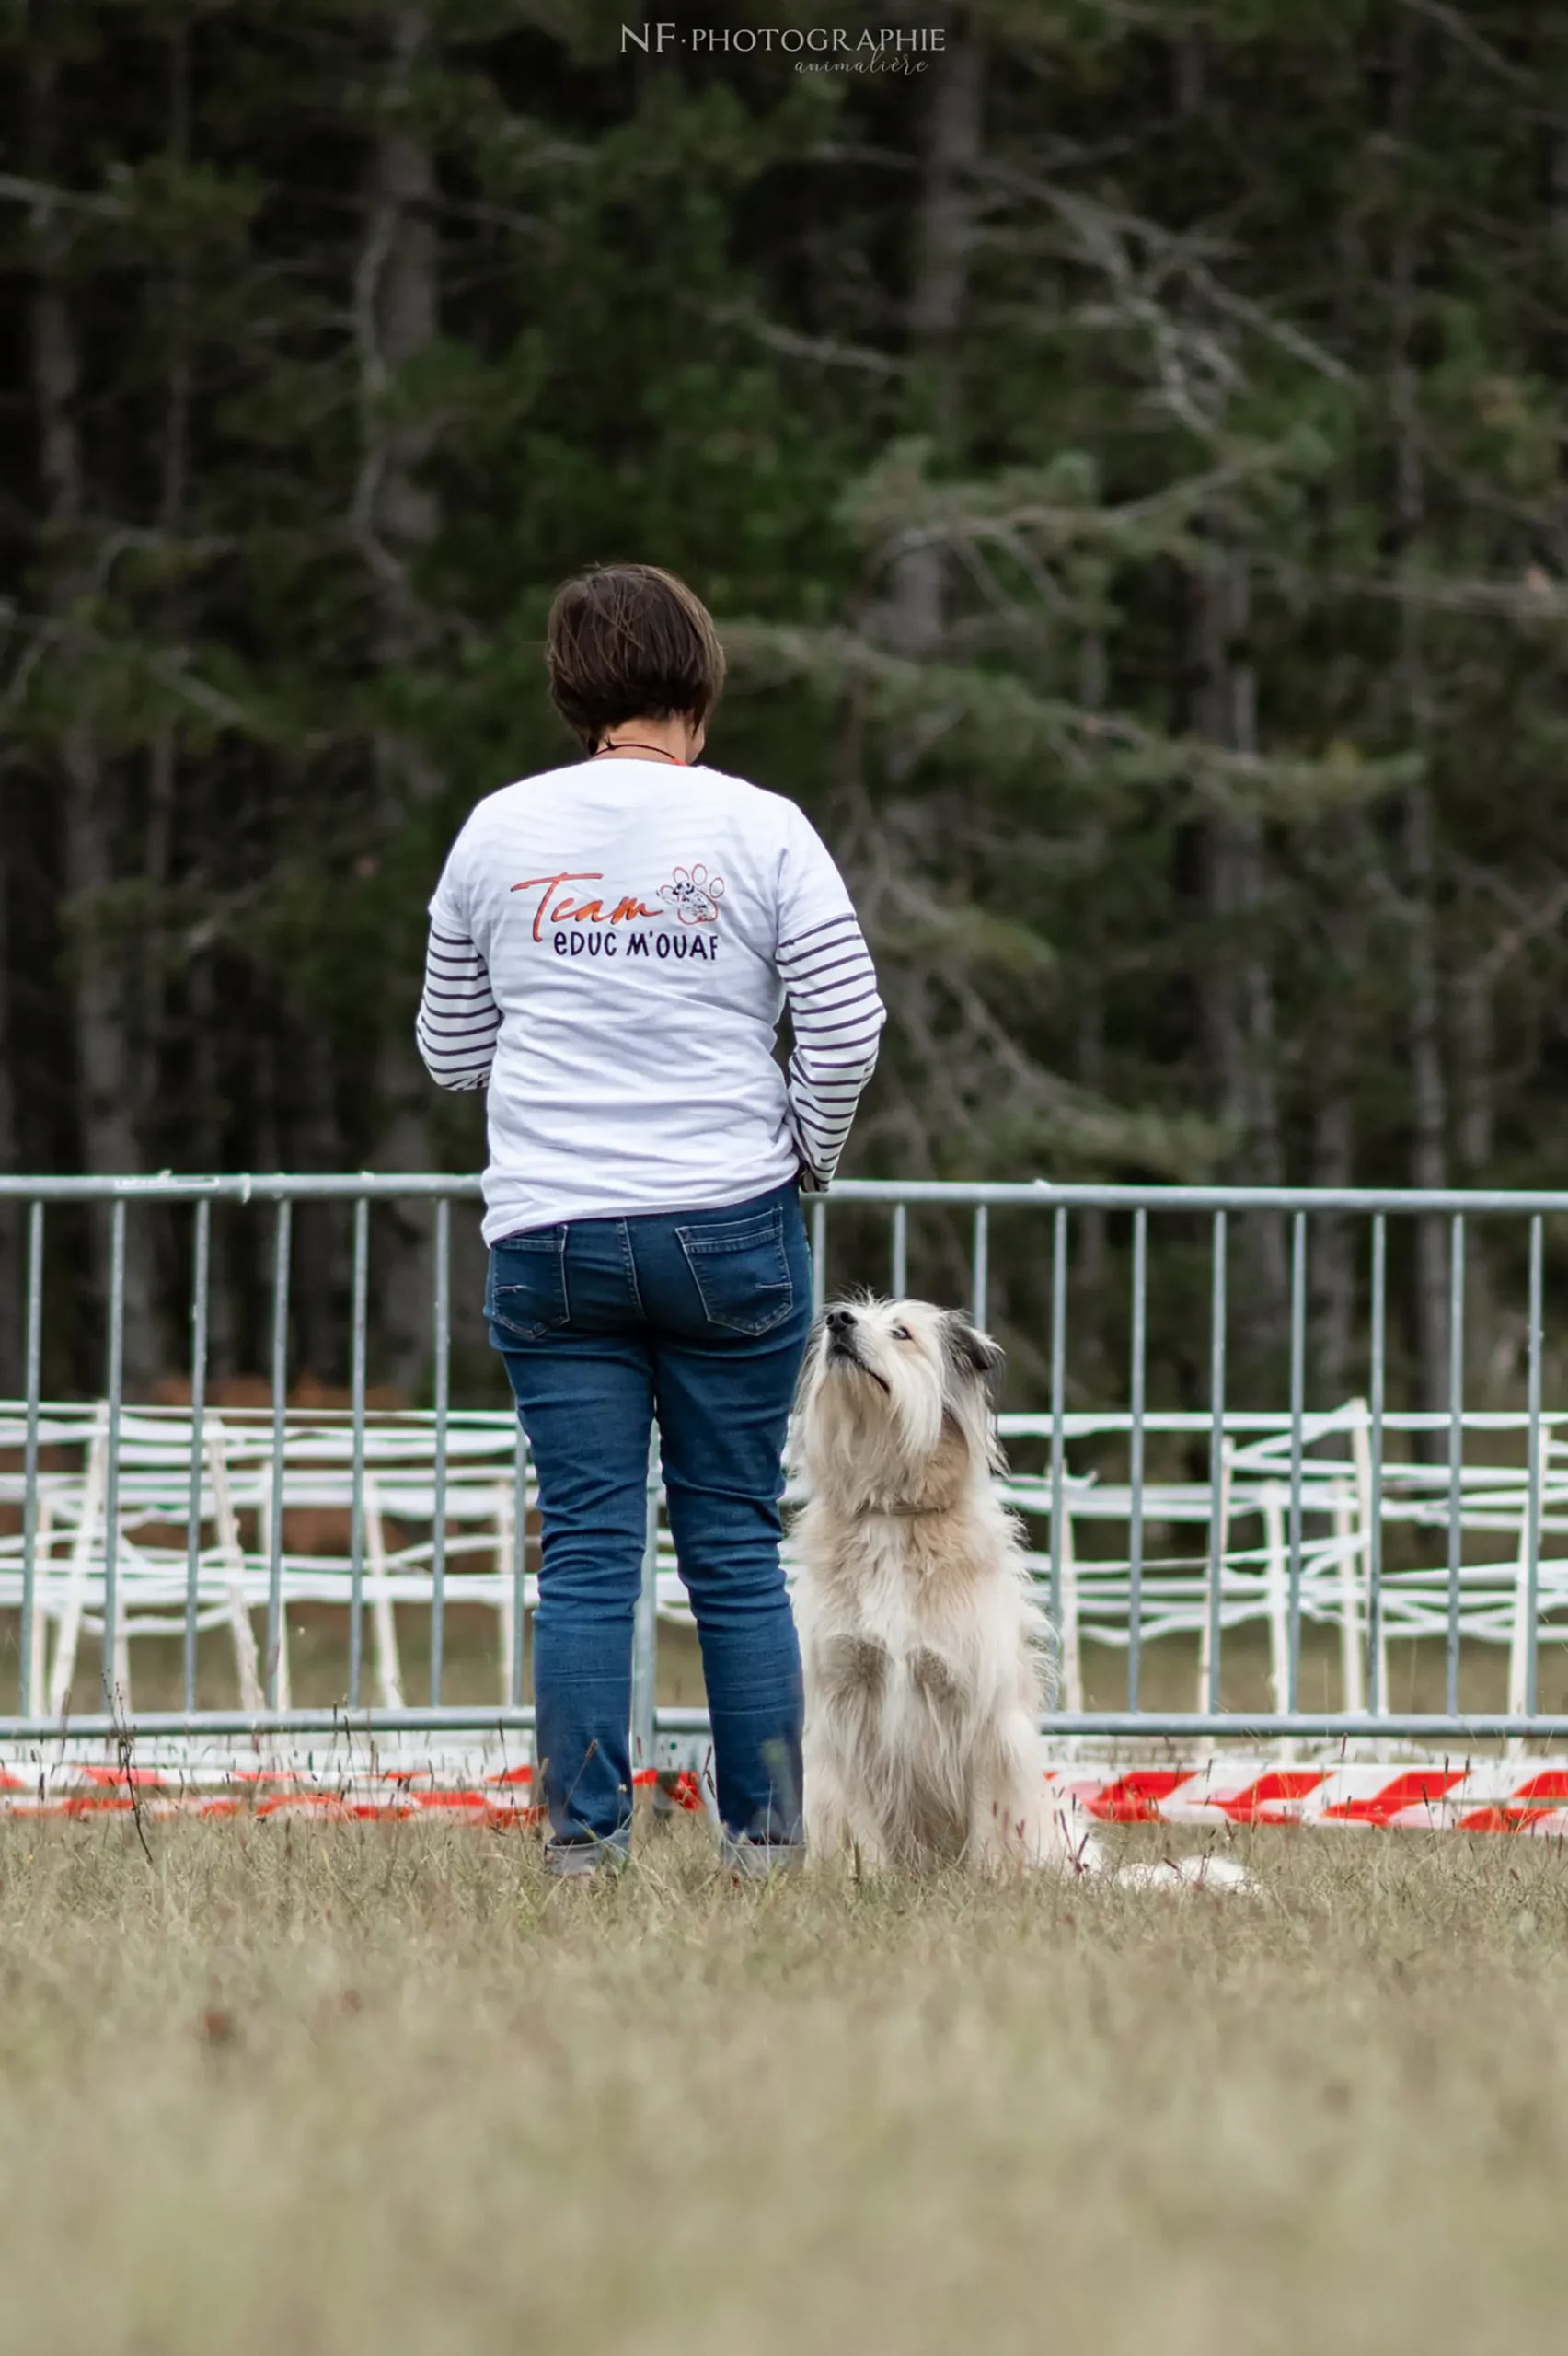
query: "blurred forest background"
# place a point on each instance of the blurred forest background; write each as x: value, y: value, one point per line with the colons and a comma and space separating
x: 1127, y: 460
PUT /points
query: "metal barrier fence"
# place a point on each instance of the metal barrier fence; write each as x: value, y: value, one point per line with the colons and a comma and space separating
x: 128, y: 1492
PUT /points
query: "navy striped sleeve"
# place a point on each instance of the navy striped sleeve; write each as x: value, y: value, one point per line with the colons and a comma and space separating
x: 836, y: 1009
x: 458, y: 1020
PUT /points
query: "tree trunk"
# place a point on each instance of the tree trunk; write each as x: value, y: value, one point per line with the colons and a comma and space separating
x: 1424, y: 1025
x: 1330, y: 1249
x: 1093, y: 1250
x: 106, y: 1058
x: 944, y: 246
x: 148, y: 972
x: 322, y: 1257
x: 1238, y: 1001
x: 1429, y: 1158
x: 163, y: 766
x: 1092, y: 1253
x: 11, y: 1215
x: 1238, y: 1006
x: 396, y: 319
x: 397, y: 310
x: 107, y: 1062
x: 1334, y: 1242
x: 209, y: 1126
x: 1475, y: 1049
x: 1557, y: 173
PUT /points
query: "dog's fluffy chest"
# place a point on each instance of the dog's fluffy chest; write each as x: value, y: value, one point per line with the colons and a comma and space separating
x: 888, y: 1629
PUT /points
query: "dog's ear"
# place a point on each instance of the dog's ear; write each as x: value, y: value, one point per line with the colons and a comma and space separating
x: 974, y: 1354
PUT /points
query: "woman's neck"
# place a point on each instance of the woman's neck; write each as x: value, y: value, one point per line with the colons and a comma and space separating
x: 650, y: 740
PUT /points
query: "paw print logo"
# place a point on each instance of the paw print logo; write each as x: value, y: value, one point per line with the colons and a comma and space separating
x: 694, y: 897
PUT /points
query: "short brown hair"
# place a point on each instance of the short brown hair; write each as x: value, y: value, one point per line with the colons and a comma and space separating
x: 628, y: 641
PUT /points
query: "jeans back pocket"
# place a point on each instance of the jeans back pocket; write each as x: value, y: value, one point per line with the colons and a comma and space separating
x: 526, y: 1288
x: 741, y: 1272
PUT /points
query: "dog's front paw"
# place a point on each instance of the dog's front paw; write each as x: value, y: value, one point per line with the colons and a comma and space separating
x: 854, y: 1665
x: 931, y: 1677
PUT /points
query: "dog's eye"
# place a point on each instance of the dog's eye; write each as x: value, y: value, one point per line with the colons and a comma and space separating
x: 901, y: 1334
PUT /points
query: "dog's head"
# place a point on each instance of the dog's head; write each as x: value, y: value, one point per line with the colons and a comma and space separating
x: 897, y: 1402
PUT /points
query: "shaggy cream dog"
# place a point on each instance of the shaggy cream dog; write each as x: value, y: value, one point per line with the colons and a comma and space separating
x: 927, y: 1655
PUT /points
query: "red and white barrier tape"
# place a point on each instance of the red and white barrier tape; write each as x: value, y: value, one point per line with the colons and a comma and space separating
x: 339, y: 1790
x: 478, y: 1783
x: 1485, y: 1796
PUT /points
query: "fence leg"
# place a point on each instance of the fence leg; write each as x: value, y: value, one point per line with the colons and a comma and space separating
x: 384, y: 1618
x: 505, y: 1536
x: 1071, y: 1633
x: 281, y: 1684
x: 1361, y: 1450
x: 242, y: 1632
x: 264, y: 1519
x: 122, y: 1658
x: 68, y: 1635
x: 1519, y: 1636
x: 1219, y: 1508
x: 1278, y: 1594
x: 1348, y: 1548
x: 277, y: 1668
x: 37, y: 1633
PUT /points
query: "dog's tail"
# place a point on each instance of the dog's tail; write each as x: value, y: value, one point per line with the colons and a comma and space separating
x: 1220, y: 1873
x: 1083, y: 1855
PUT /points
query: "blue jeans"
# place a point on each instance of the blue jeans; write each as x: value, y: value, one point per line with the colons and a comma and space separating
x: 699, y: 1318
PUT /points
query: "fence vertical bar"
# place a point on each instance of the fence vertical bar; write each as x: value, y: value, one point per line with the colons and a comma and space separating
x: 819, y: 1256
x: 440, y: 1313
x: 1136, y: 1460
x: 900, y: 1251
x: 1375, y: 1698
x: 201, y: 1266
x: 34, y: 1347
x: 981, y: 1264
x: 1298, y: 1409
x: 1532, y: 1541
x: 283, y: 1245
x: 356, y: 1404
x: 644, y: 1655
x: 519, y: 1567
x: 112, y: 1470
x: 1058, y: 1389
x: 1455, y: 1448
x: 1217, y: 1451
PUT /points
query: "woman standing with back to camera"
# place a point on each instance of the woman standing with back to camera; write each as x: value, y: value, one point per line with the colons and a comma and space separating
x: 611, y: 945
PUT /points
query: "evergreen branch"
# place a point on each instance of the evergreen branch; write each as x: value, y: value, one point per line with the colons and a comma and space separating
x: 1056, y: 502
x: 1531, y: 921
x: 1300, y: 346
x: 1534, y: 599
x: 46, y: 199
x: 167, y: 665
x: 985, y: 1071
x: 1005, y: 723
x: 827, y: 352
x: 1102, y: 230
x: 1464, y: 35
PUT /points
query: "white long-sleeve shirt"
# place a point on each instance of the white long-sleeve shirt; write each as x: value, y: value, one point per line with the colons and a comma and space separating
x: 612, y: 947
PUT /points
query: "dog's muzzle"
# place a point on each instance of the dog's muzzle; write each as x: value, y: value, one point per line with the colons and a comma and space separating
x: 841, y: 1348
x: 840, y: 1345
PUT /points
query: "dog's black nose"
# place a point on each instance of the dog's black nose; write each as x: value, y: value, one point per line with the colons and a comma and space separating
x: 838, y: 1320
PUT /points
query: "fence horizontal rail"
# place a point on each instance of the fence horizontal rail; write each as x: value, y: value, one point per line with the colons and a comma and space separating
x: 1040, y: 1194
x: 1176, y: 1726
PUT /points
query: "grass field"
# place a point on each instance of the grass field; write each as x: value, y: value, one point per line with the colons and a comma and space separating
x: 382, y: 2089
